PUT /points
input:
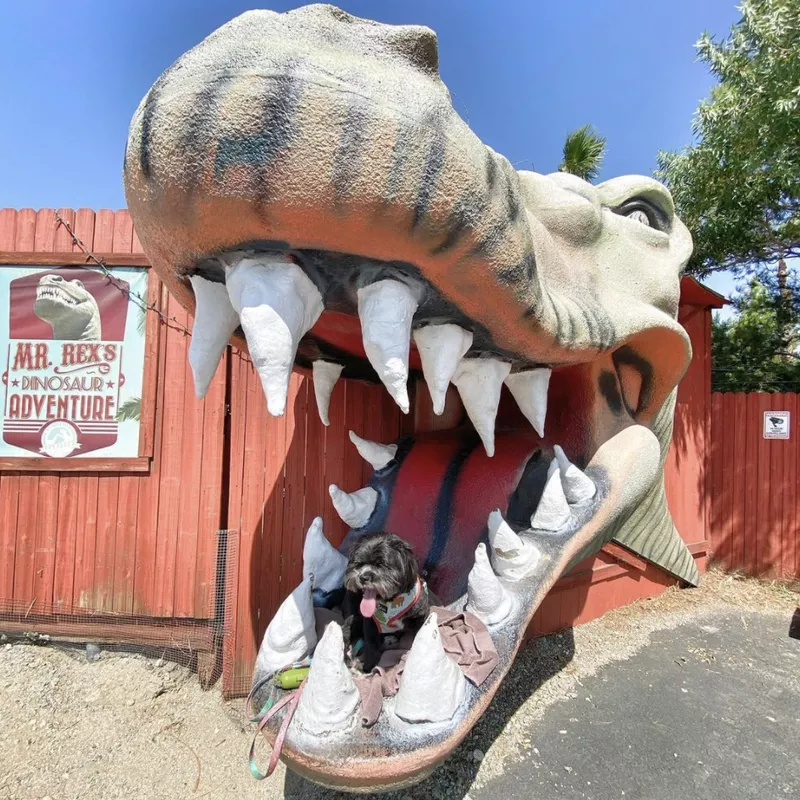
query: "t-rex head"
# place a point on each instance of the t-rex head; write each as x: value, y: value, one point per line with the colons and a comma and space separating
x: 302, y: 183
x: 68, y: 307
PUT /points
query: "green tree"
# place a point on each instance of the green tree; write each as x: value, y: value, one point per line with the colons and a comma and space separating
x: 738, y: 186
x: 583, y: 154
x: 130, y: 409
x: 755, y: 351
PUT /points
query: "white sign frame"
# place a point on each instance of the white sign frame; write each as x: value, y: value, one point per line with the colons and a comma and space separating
x: 777, y: 430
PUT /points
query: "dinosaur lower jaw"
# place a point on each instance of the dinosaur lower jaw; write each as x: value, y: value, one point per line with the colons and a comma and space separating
x: 548, y: 457
x: 395, y: 752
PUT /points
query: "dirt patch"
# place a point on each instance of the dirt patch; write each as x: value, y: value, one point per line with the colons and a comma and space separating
x: 130, y: 727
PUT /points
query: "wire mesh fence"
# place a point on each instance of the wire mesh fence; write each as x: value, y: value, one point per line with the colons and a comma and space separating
x: 195, y: 643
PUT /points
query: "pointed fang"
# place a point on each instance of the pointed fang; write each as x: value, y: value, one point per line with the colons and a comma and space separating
x: 386, y: 310
x: 277, y: 304
x: 432, y: 686
x: 325, y: 374
x: 552, y: 513
x: 529, y: 389
x: 291, y: 635
x: 487, y: 598
x: 577, y: 485
x: 440, y: 348
x: 479, y: 382
x: 215, y: 320
x: 323, y: 564
x: 379, y: 455
x: 354, y: 508
x: 330, y: 697
x: 513, y: 558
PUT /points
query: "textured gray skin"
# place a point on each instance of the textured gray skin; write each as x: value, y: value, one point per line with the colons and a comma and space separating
x: 320, y: 133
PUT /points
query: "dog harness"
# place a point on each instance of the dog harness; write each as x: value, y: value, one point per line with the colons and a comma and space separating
x: 389, y: 614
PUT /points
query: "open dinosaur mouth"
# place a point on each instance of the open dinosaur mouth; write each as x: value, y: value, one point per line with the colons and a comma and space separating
x: 303, y: 186
x: 496, y: 508
x: 56, y: 295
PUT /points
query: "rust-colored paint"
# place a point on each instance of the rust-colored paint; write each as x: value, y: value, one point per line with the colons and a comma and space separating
x: 755, y: 514
x: 144, y: 542
x: 89, y: 536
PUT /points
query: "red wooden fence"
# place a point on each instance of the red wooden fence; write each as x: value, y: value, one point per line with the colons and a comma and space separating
x: 140, y: 542
x: 755, y: 505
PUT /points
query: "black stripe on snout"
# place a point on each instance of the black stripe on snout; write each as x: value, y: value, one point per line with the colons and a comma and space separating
x: 444, y: 504
x: 429, y: 177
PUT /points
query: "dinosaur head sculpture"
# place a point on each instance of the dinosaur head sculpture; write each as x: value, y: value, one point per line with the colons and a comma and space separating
x: 302, y: 183
x: 68, y: 307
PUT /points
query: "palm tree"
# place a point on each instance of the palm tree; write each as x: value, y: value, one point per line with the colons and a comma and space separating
x: 130, y: 409
x: 583, y: 153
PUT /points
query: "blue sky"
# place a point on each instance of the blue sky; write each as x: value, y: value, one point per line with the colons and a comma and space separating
x: 522, y: 73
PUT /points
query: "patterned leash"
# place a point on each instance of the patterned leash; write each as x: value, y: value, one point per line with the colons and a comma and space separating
x: 268, y: 711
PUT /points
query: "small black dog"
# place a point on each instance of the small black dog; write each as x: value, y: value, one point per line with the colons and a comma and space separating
x: 385, y: 594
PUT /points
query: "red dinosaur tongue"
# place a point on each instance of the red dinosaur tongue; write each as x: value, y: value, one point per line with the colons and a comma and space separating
x: 368, y: 603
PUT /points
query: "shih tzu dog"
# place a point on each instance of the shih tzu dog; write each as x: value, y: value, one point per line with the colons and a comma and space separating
x: 385, y: 594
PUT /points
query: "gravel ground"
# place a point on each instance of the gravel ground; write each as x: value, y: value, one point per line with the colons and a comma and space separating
x: 126, y: 726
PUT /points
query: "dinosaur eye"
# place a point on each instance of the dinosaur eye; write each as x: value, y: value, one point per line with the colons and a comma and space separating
x: 639, y: 216
x: 78, y: 283
x: 644, y: 212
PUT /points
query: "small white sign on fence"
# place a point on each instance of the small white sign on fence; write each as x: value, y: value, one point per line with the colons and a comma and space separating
x: 776, y: 424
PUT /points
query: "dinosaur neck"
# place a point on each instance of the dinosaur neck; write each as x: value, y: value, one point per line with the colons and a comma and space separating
x: 77, y: 330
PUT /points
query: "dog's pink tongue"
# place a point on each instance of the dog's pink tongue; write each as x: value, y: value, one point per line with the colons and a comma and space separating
x: 368, y: 603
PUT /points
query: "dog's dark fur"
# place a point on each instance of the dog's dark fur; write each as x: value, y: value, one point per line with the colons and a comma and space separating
x: 385, y: 563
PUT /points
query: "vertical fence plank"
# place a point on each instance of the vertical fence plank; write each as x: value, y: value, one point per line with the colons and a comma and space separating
x: 149, y: 503
x: 171, y: 458
x: 9, y: 481
x: 69, y: 482
x: 789, y: 533
x: 337, y: 443
x: 210, y: 521
x: 746, y: 553
x: 108, y: 483
x: 294, y: 490
x: 129, y: 484
x: 189, y: 529
x: 762, y: 537
x: 739, y: 425
x: 777, y: 483
x: 87, y: 483
x: 48, y: 495
x: 729, y: 454
x: 28, y: 507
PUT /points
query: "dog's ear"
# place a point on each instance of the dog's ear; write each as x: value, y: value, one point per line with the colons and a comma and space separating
x: 410, y: 563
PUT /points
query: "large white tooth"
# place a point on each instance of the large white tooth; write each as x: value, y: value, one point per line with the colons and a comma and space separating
x: 379, y: 455
x: 577, y: 485
x: 513, y: 558
x: 330, y: 697
x: 292, y: 633
x: 487, y: 598
x: 277, y: 304
x: 354, y: 508
x: 529, y: 389
x: 325, y: 374
x: 386, y: 309
x: 432, y: 686
x: 215, y: 320
x: 440, y: 348
x: 479, y: 382
x: 323, y: 564
x: 552, y: 513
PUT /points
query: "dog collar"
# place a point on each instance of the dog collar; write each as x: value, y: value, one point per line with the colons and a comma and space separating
x: 389, y: 613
